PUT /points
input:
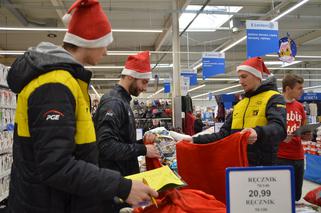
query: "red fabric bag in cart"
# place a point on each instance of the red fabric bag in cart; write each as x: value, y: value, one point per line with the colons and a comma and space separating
x: 202, y: 166
x: 185, y: 201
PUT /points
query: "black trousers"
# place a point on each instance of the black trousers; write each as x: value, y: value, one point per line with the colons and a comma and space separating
x: 298, y: 166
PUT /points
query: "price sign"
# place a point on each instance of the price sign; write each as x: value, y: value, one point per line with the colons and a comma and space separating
x: 267, y: 189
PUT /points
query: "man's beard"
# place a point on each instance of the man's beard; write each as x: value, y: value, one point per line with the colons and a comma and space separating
x: 133, y: 90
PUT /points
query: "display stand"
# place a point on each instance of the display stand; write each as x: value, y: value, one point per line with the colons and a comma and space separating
x: 7, y: 111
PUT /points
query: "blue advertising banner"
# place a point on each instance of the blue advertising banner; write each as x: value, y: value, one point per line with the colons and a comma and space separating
x: 262, y: 38
x: 192, y: 75
x: 213, y: 63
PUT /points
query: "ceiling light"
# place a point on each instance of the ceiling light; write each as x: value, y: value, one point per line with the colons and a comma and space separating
x: 197, y: 66
x: 162, y: 65
x: 11, y: 52
x: 122, y: 52
x: 218, y: 79
x: 313, y: 87
x: 64, y: 29
x: 297, y: 56
x: 290, y: 10
x: 283, y: 64
x: 33, y: 29
x: 204, y: 21
x: 215, y: 91
x: 237, y: 91
x: 295, y: 68
x: 159, y: 91
x: 95, y: 90
x: 196, y: 88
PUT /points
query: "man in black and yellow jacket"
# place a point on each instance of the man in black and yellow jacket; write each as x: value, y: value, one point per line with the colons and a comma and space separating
x: 261, y: 112
x: 54, y: 152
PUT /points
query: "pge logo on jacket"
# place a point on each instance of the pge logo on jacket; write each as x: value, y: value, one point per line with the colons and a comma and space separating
x: 53, y: 115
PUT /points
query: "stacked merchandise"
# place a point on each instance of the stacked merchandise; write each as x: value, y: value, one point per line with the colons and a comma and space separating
x: 312, y: 147
x: 318, y: 143
x: 152, y: 114
x: 166, y: 145
x: 7, y: 111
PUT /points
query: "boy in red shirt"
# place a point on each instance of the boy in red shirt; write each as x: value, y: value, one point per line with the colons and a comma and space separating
x: 291, y: 150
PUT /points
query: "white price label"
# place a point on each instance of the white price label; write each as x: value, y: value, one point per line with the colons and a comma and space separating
x: 260, y: 189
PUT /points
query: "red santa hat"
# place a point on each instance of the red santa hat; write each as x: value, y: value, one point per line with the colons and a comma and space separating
x: 254, y: 66
x: 88, y: 26
x: 138, y: 66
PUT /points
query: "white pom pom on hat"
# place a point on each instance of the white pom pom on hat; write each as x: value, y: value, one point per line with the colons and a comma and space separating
x: 66, y: 19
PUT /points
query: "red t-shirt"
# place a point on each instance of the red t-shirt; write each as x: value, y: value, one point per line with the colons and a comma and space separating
x: 295, y: 117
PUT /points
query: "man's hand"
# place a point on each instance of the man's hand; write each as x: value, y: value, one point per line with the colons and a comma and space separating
x: 253, y: 136
x: 179, y: 136
x: 151, y: 151
x: 149, y: 138
x: 140, y: 193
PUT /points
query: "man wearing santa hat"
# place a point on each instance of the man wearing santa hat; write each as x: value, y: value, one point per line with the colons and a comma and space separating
x: 261, y: 112
x: 115, y: 122
x: 54, y: 153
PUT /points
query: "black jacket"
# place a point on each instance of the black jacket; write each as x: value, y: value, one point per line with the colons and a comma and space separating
x: 54, y: 149
x: 198, y: 125
x: 116, y: 133
x: 264, y: 151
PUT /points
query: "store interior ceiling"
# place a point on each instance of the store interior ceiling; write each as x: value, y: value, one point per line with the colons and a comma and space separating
x: 205, y: 26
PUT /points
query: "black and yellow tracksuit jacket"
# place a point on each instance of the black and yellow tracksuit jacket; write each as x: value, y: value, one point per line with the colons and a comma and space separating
x: 54, y: 152
x: 264, y: 111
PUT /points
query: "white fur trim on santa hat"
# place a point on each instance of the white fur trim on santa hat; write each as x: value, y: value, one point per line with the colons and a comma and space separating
x: 251, y: 70
x: 135, y: 74
x: 81, y: 42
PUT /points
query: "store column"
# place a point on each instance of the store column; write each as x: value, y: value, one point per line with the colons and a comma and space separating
x: 176, y: 95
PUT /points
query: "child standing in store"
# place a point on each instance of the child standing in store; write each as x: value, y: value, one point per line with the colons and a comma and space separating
x: 291, y: 150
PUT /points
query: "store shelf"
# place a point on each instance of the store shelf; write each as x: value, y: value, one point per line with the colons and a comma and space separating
x: 7, y: 107
x: 8, y: 150
x: 4, y: 86
x: 5, y: 173
x: 4, y: 195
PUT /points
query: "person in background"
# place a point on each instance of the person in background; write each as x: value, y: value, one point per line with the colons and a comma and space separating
x: 198, y: 123
x: 115, y: 122
x: 291, y: 150
x: 94, y: 106
x: 261, y: 112
x: 54, y: 151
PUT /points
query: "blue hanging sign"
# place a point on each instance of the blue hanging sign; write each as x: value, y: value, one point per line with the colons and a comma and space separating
x: 213, y: 63
x: 287, y: 50
x: 311, y: 96
x: 262, y: 38
x: 167, y: 86
x: 192, y: 75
